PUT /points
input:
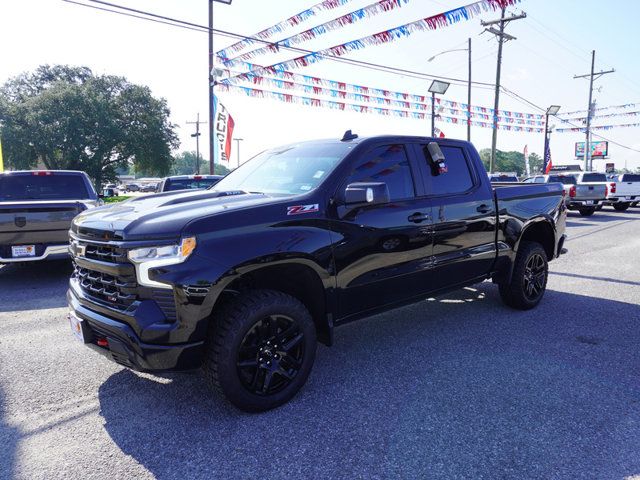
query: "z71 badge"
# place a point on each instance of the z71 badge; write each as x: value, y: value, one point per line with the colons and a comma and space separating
x: 298, y: 209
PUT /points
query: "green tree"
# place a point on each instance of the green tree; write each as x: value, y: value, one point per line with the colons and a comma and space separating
x: 184, y: 163
x: 511, y: 161
x: 68, y: 118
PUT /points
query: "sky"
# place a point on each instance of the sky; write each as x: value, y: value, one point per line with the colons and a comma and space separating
x: 552, y: 44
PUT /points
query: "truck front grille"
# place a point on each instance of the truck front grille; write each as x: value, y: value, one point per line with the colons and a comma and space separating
x: 119, y: 292
x: 106, y: 253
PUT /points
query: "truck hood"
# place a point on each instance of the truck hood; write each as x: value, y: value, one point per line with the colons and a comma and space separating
x: 162, y: 216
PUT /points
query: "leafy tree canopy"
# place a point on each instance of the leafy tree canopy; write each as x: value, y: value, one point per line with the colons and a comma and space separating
x: 511, y: 161
x: 184, y: 163
x: 68, y: 118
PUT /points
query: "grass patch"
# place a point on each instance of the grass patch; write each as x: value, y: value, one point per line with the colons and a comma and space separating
x: 121, y: 198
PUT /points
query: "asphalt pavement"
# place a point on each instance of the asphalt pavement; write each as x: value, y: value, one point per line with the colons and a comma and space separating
x: 454, y: 387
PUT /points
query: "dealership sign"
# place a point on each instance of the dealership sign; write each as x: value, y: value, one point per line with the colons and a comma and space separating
x: 598, y: 149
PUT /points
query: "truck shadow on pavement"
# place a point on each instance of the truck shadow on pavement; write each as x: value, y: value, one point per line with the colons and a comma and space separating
x: 49, y: 279
x: 458, y: 386
x: 8, y: 443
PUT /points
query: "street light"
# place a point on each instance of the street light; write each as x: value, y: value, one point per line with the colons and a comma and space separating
x: 552, y: 110
x: 212, y: 108
x: 238, y: 140
x: 440, y: 88
x: 468, y: 49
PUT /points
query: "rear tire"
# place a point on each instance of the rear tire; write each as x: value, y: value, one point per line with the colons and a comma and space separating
x: 587, y: 212
x: 621, y: 207
x: 260, y: 349
x: 529, y: 279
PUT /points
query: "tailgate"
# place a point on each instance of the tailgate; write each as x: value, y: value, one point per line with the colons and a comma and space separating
x: 590, y: 191
x: 36, y: 222
x: 627, y: 189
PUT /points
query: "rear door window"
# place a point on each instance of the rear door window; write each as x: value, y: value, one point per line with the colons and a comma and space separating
x: 55, y: 186
x: 388, y: 164
x: 630, y: 177
x: 594, y: 177
x: 457, y: 179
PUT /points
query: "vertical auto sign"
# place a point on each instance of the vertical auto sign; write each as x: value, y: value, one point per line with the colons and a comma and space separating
x: 223, y: 129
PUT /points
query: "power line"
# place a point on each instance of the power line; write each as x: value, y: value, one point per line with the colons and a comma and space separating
x: 524, y: 101
x: 143, y: 15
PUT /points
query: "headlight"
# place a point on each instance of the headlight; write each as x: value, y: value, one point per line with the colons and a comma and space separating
x: 152, y: 257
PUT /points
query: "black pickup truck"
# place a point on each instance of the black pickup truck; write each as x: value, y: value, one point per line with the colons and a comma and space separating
x: 244, y: 279
x: 36, y: 209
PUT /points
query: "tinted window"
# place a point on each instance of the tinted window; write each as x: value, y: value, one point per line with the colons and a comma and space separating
x: 564, y: 179
x: 594, y: 177
x: 628, y: 177
x: 528, y: 180
x: 538, y: 180
x: 42, y: 187
x: 388, y: 164
x: 458, y: 178
x: 504, y: 178
x: 189, y: 183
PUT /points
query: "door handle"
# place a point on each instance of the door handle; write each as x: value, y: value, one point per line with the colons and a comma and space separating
x: 418, y: 217
x: 484, y: 208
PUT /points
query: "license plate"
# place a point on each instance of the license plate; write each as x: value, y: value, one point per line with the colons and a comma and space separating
x: 23, y: 251
x: 588, y: 202
x: 76, y: 326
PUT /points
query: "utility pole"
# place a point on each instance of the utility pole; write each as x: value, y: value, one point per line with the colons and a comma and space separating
x: 469, y: 97
x: 197, y: 123
x: 502, y: 37
x: 212, y: 108
x: 238, y: 140
x: 592, y: 76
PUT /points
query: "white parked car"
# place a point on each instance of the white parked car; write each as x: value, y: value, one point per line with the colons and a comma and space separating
x: 624, y: 190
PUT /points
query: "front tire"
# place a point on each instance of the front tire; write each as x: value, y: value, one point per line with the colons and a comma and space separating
x: 621, y: 207
x: 529, y: 279
x: 260, y: 349
x: 587, y: 212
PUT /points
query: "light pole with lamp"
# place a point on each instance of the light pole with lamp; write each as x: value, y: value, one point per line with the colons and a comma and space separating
x: 211, y: 83
x: 551, y: 111
x: 440, y: 88
x: 238, y: 140
x: 468, y: 49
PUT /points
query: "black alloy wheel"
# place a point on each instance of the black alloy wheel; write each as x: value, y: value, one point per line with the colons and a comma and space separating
x: 270, y: 355
x: 535, y: 275
x: 260, y: 349
x: 528, y: 281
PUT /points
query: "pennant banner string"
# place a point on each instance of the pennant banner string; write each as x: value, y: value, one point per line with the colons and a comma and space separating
x: 306, y: 80
x: 343, y: 106
x: 382, y: 6
x: 609, y: 115
x: 512, y: 118
x: 599, y: 127
x: 282, y: 26
x: 610, y: 107
x: 434, y: 22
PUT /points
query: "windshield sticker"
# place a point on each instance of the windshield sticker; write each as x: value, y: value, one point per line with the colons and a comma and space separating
x: 298, y: 209
x: 305, y: 188
x: 318, y: 174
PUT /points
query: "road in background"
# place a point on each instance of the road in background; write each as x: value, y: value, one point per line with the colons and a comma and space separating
x: 454, y: 387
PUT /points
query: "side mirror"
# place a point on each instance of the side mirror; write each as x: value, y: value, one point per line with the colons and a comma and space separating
x: 366, y: 193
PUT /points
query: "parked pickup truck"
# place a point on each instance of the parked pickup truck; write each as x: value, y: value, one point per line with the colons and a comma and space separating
x: 243, y: 279
x: 587, y: 192
x: 36, y: 209
x: 624, y: 190
x: 188, y: 182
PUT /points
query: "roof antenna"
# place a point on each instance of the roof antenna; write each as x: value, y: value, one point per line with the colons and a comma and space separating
x: 348, y: 136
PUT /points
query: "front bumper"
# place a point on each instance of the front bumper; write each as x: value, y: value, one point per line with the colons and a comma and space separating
x: 52, y: 252
x: 118, y: 341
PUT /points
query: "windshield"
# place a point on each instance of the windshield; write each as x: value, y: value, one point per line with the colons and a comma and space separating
x: 189, y: 183
x: 594, y: 177
x: 290, y: 170
x: 42, y: 187
x: 564, y: 179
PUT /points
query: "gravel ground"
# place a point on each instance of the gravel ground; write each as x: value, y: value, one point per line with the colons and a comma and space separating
x: 453, y: 387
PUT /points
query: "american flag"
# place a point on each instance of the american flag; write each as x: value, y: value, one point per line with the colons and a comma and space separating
x: 548, y: 164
